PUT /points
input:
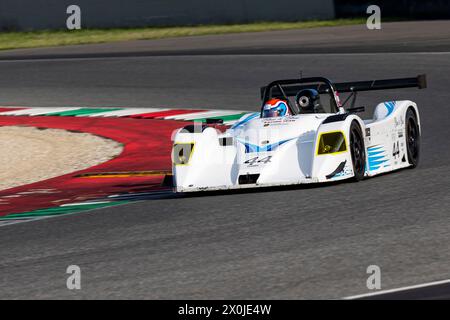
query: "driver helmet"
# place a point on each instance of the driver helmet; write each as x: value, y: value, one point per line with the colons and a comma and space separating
x: 275, y: 108
x: 308, y: 101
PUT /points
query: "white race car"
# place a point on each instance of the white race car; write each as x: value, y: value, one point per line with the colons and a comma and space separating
x: 303, y: 134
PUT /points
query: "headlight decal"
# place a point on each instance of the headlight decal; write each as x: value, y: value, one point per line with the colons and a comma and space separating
x: 182, y: 153
x: 332, y: 142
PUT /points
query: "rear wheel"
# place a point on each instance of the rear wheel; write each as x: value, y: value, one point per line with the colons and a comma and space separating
x: 358, y: 151
x: 412, y: 138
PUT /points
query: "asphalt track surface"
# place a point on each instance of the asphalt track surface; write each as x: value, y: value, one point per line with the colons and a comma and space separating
x: 293, y: 243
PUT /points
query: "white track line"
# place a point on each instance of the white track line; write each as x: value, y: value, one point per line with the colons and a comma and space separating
x: 4, y: 223
x: 36, y: 111
x: 381, y: 292
x: 231, y: 122
x: 207, y: 114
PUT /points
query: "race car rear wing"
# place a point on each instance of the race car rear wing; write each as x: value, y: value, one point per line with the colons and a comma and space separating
x: 416, y: 82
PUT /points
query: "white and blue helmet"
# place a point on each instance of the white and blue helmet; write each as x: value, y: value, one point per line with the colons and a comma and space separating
x: 275, y: 108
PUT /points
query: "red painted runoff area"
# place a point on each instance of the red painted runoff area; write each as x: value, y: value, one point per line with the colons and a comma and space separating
x: 147, y: 147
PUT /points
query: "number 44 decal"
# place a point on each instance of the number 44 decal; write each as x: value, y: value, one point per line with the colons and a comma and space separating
x: 396, y: 150
x: 254, y: 160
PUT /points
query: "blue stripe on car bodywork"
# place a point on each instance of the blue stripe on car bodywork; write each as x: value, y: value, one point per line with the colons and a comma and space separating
x: 249, y: 148
x: 374, y: 153
x: 390, y: 105
x: 373, y: 163
x: 243, y: 121
x: 376, y: 156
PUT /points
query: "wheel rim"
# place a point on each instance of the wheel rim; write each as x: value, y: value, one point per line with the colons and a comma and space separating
x: 413, y: 138
x: 357, y: 151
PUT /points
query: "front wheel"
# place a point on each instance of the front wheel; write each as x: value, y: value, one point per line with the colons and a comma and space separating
x: 358, y: 151
x: 412, y: 138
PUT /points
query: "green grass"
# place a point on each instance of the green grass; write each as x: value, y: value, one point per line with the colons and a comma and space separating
x: 48, y: 38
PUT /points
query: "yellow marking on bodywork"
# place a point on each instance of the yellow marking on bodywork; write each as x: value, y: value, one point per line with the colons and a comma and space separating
x: 333, y: 153
x: 190, y: 154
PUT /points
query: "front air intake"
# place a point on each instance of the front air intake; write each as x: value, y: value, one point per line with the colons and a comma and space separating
x: 248, y: 178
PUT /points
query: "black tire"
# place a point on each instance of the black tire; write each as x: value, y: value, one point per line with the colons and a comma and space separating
x: 358, y: 151
x: 412, y: 135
